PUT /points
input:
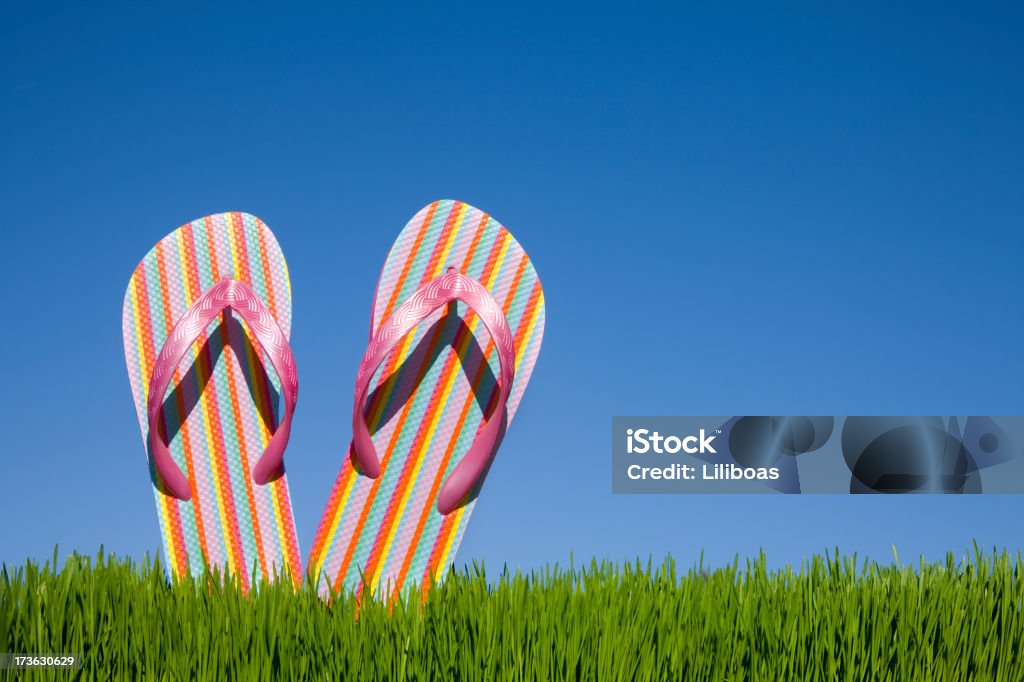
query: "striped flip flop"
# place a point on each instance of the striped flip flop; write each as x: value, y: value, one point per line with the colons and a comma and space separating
x: 206, y: 321
x: 432, y: 371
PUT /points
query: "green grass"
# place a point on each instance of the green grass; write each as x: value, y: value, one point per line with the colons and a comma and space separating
x: 833, y: 619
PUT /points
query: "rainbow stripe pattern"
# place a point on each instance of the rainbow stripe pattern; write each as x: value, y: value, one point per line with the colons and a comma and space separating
x: 222, y: 406
x: 426, y: 404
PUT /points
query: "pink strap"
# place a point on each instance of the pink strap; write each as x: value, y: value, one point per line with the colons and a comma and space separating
x: 238, y: 296
x: 449, y: 287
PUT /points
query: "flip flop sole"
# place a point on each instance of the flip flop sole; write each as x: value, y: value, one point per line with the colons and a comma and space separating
x: 222, y: 405
x: 427, y: 402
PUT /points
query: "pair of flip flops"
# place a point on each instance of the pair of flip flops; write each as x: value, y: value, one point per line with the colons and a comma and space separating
x: 456, y: 326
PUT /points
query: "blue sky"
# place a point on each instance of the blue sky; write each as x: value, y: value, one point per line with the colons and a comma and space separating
x: 733, y: 209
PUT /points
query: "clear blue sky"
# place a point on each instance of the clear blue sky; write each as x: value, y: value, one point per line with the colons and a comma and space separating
x: 734, y: 210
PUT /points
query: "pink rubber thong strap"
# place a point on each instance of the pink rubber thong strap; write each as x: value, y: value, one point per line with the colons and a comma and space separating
x: 445, y: 289
x: 238, y: 296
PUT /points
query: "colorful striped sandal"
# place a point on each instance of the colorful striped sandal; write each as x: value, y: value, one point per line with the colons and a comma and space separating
x: 207, y: 313
x: 435, y: 390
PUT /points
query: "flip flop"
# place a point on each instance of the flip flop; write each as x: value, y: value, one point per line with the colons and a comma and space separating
x: 206, y: 322
x: 432, y: 371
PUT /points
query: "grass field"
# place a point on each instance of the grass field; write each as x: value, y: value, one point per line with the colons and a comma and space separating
x: 832, y: 619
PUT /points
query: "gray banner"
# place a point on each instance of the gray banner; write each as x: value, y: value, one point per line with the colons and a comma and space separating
x: 838, y: 455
